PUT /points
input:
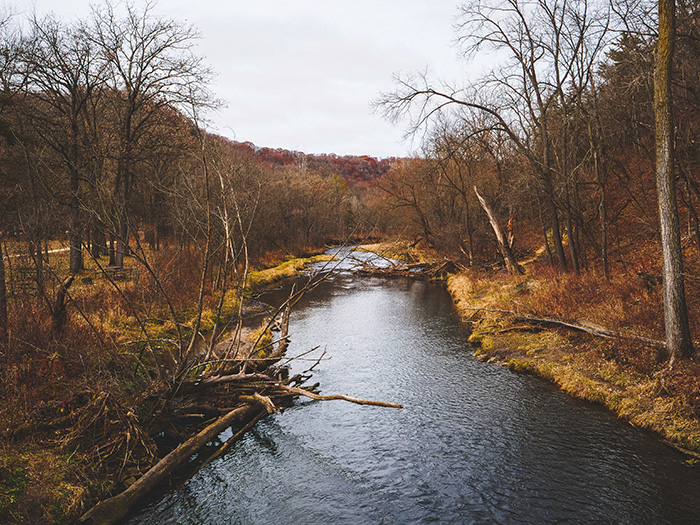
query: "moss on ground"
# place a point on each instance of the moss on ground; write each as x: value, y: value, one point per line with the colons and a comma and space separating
x: 268, y: 276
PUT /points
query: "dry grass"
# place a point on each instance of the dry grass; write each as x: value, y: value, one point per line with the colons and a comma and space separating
x: 621, y: 375
x: 39, y: 486
x: 81, y: 392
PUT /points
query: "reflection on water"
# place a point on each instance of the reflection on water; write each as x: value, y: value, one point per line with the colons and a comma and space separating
x: 475, y: 443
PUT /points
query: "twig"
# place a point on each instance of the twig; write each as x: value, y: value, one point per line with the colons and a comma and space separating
x: 317, y: 361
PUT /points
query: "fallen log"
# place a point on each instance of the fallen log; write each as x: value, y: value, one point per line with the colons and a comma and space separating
x: 592, y: 330
x: 319, y: 397
x: 114, y: 509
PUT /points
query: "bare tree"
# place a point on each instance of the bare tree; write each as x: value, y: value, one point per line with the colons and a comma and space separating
x: 11, y: 82
x: 64, y: 73
x: 152, y: 68
x: 540, y: 40
x: 678, y: 340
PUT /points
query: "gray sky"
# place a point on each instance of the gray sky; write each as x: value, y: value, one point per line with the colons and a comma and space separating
x: 301, y: 74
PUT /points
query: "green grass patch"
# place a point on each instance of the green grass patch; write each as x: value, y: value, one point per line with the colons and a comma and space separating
x: 262, y: 278
x: 12, y: 483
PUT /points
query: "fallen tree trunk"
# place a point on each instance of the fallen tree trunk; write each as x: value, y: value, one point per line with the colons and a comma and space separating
x: 592, y: 330
x: 114, y: 509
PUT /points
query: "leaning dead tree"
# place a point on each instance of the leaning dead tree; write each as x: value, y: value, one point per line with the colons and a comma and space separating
x: 504, y: 246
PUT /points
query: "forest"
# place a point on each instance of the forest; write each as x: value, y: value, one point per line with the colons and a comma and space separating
x: 132, y: 241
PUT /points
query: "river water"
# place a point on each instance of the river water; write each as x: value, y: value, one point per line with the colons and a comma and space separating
x: 475, y: 442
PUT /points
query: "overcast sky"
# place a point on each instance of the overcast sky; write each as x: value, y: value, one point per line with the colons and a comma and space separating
x: 301, y: 74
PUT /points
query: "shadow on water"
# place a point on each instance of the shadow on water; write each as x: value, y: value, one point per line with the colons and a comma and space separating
x: 475, y: 443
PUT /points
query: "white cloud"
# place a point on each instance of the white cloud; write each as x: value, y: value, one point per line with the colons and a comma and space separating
x: 301, y: 74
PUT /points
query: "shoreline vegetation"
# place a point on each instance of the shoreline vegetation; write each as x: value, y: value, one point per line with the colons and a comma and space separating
x: 623, y: 375
x: 49, y: 475
x: 96, y: 439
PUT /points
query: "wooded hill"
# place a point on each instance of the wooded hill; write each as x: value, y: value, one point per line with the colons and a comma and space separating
x: 357, y: 168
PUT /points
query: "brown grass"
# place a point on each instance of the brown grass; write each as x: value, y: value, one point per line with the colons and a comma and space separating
x: 623, y: 375
x: 80, y: 393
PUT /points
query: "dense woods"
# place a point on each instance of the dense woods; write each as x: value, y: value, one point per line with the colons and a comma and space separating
x: 128, y: 234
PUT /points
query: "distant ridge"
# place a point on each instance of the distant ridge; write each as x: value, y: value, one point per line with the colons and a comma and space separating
x: 358, y: 168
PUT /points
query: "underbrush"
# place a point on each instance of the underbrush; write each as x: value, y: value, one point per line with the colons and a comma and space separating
x: 80, y: 401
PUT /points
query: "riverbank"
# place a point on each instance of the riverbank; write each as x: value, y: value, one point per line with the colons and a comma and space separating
x: 77, y: 426
x: 624, y: 375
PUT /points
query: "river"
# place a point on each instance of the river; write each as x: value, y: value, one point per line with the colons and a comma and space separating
x: 475, y: 442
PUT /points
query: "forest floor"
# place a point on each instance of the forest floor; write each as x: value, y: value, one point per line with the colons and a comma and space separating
x: 624, y: 375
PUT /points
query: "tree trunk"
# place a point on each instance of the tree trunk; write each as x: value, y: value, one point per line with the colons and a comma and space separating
x: 470, y: 245
x: 4, y: 335
x: 678, y: 341
x: 99, y: 240
x: 76, y: 249
x: 503, y: 245
x: 546, y: 171
x: 122, y: 242
x: 550, y: 257
x: 114, y: 509
x: 58, y: 310
x: 556, y: 230
x: 573, y: 251
x: 112, y: 252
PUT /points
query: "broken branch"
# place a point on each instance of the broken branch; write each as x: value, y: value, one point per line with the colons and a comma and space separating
x: 319, y: 397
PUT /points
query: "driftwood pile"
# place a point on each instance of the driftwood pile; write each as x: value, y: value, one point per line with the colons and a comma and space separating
x: 425, y: 270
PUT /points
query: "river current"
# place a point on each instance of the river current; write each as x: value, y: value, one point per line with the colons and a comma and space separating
x: 475, y: 442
